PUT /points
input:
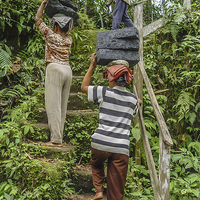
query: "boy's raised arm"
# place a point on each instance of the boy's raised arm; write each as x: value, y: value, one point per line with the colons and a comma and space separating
x: 87, y: 78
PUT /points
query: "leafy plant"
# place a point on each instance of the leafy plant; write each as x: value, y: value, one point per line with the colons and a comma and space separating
x: 185, y: 173
x: 5, y: 59
x: 138, y: 184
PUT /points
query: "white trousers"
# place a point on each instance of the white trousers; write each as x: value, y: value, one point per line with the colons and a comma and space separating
x: 57, y: 87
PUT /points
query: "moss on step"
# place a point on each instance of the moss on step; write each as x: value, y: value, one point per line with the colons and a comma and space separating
x: 40, y: 132
x: 67, y: 152
x: 82, y: 178
x: 48, y: 178
x: 78, y: 101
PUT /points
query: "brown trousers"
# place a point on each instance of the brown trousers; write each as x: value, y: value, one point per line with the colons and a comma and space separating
x: 116, y: 173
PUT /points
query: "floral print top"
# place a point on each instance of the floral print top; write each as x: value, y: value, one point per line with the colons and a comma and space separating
x: 57, y: 47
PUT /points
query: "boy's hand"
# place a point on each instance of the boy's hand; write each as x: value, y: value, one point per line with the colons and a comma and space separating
x: 139, y: 101
x: 87, y: 78
x: 93, y: 60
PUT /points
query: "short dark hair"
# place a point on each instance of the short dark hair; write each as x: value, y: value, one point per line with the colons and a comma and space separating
x: 121, y: 80
x: 64, y: 29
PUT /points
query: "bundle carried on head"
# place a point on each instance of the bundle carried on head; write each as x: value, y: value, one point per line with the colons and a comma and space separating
x: 118, y: 71
x: 65, y: 7
x: 120, y: 44
x: 62, y: 21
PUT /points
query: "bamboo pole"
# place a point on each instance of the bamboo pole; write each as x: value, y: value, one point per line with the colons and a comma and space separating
x: 187, y: 4
x: 164, y: 168
x: 138, y: 80
x: 149, y: 157
x: 162, y: 124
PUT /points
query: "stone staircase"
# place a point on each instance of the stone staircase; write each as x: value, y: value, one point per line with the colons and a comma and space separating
x: 81, y: 173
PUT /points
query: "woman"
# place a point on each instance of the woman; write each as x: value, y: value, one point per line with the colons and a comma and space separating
x: 58, y: 73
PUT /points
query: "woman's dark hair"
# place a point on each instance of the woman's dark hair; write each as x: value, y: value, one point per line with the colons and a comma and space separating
x: 121, y: 80
x: 64, y: 29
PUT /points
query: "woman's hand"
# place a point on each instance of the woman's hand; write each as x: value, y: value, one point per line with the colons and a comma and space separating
x: 45, y: 1
x: 40, y: 10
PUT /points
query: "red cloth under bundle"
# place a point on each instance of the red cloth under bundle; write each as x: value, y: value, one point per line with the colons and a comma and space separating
x: 115, y: 71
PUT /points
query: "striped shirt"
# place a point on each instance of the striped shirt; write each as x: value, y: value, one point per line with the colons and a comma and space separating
x: 117, y: 107
x: 57, y: 47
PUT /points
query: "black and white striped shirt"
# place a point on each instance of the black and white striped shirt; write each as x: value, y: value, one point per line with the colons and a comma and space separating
x: 117, y: 107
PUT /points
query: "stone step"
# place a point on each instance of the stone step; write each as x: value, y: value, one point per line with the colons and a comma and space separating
x: 85, y: 196
x: 78, y: 101
x: 77, y: 77
x: 76, y: 84
x: 82, y: 178
x: 42, y: 120
x: 42, y: 125
x: 88, y: 196
x: 82, y: 112
x: 77, y: 81
x: 34, y: 150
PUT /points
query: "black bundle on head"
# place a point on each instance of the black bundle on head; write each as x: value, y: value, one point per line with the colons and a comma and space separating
x: 121, y: 80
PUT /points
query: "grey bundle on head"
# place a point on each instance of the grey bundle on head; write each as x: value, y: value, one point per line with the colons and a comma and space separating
x: 121, y: 80
x: 62, y: 21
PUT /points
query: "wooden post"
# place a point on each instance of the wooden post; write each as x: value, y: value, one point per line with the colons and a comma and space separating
x: 164, y: 169
x: 138, y: 80
x: 86, y: 4
x: 161, y: 121
x: 187, y: 4
x: 153, y: 26
x: 161, y: 186
x: 149, y: 157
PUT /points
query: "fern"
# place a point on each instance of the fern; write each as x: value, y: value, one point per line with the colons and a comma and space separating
x: 174, y: 30
x: 180, y: 17
x: 196, y: 146
x: 5, y: 61
x: 10, y: 93
x: 184, y: 102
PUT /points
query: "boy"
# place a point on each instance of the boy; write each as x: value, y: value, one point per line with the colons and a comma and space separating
x: 120, y: 13
x: 58, y: 73
x: 111, y: 139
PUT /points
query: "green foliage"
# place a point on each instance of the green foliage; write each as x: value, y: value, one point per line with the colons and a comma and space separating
x: 18, y: 16
x: 138, y: 184
x: 184, y: 104
x: 171, y: 57
x: 185, y: 173
x: 5, y: 59
x: 22, y: 174
x: 84, y: 44
x: 11, y: 94
x: 79, y: 130
x: 175, y: 66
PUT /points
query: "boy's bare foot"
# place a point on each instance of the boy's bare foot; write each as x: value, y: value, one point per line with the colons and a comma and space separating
x: 51, y: 144
x: 99, y: 195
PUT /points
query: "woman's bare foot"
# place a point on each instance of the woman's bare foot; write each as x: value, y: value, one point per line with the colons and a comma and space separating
x: 99, y: 195
x: 51, y: 144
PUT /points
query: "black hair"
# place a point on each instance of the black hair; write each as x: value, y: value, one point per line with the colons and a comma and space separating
x: 64, y: 29
x: 121, y: 80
